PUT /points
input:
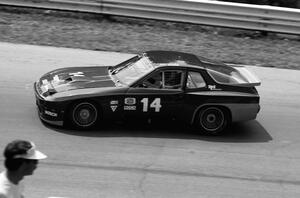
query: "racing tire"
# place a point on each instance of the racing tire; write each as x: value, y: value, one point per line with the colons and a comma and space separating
x: 84, y: 115
x: 212, y: 120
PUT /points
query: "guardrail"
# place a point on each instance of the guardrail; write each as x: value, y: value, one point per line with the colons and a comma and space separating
x: 215, y: 13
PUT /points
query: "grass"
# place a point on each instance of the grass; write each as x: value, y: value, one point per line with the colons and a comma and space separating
x: 128, y: 35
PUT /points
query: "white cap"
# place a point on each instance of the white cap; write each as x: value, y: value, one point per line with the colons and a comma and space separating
x: 31, y: 154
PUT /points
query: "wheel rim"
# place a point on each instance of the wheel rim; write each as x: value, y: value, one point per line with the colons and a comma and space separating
x: 84, y: 114
x: 212, y: 119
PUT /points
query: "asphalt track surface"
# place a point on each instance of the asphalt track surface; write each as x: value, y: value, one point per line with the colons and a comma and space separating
x: 259, y: 158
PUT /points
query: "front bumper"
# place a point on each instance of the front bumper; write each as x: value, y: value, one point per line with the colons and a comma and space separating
x: 52, y: 122
x: 49, y: 112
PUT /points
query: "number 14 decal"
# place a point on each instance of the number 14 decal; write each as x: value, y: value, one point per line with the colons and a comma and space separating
x: 154, y: 104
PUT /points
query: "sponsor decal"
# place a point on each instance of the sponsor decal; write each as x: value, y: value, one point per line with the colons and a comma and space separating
x: 130, y: 108
x: 50, y: 113
x: 114, y: 102
x: 213, y: 87
x: 130, y: 101
x: 113, y: 107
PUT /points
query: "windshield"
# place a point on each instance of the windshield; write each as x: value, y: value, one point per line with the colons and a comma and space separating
x: 134, y: 70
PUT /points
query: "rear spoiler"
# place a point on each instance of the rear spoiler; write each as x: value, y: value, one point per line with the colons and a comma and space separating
x: 248, y: 84
x: 251, y: 78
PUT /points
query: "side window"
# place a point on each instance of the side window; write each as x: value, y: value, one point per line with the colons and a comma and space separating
x: 154, y: 81
x: 169, y: 79
x: 195, y: 80
x: 172, y: 79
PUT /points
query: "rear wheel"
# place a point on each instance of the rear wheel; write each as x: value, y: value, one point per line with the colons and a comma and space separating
x: 84, y: 115
x: 212, y: 120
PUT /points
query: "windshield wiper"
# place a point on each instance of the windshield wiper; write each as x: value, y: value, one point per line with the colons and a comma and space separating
x: 127, y: 63
x: 115, y: 71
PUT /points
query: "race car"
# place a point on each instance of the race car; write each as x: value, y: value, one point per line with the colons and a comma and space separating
x: 198, y: 91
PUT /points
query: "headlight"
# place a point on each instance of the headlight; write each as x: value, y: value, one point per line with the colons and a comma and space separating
x: 45, y: 88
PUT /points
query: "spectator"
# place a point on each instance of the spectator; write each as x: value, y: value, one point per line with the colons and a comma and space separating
x: 21, y: 159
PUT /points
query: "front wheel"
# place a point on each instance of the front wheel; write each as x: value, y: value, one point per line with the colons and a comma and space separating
x: 212, y: 120
x: 84, y: 115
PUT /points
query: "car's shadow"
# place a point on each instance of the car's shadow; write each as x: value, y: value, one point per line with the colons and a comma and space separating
x: 250, y: 131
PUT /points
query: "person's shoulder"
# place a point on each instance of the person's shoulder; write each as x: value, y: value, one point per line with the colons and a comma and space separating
x: 2, y: 174
x: 3, y: 191
x: 3, y: 179
x: 2, y: 195
x: 3, y: 186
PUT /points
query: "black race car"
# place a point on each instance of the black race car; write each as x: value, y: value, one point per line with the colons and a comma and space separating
x: 151, y: 85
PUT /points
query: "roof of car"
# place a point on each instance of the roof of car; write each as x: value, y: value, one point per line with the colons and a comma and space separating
x: 175, y: 58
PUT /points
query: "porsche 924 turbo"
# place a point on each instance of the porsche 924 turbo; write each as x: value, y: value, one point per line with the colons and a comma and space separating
x: 204, y: 93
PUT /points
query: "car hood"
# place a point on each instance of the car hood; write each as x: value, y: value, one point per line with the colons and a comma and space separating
x: 66, y: 79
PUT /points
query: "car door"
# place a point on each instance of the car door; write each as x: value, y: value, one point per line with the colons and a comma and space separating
x: 196, y: 93
x: 158, y: 95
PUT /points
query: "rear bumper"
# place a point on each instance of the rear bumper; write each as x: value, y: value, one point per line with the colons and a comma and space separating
x: 243, y: 112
